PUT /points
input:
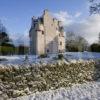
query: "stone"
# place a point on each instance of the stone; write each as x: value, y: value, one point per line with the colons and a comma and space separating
x: 4, y: 96
x: 1, y: 92
x: 17, y: 93
x: 27, y: 91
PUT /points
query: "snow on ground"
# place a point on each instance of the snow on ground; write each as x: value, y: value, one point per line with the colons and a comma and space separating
x: 87, y: 91
x: 83, y: 55
x: 71, y: 56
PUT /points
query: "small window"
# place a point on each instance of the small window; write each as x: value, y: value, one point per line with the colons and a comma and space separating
x: 42, y: 32
x: 60, y: 43
x: 41, y: 19
x: 34, y: 25
x: 47, y: 50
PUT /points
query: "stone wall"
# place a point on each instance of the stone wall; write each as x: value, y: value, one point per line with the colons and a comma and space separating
x: 27, y: 79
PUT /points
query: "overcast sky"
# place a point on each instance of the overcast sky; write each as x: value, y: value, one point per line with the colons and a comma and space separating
x: 16, y: 16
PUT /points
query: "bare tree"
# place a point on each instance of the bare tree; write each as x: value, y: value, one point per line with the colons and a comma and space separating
x: 82, y: 43
x: 75, y: 43
x: 94, y: 6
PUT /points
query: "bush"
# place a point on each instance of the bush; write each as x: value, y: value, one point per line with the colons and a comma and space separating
x: 22, y: 50
x: 72, y: 48
x: 95, y: 47
x: 6, y: 50
x: 60, y: 56
x: 43, y: 56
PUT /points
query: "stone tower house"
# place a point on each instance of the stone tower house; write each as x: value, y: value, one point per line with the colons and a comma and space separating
x: 46, y: 35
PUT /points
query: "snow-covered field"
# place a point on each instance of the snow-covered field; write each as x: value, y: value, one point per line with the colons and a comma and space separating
x: 87, y: 91
x: 83, y: 55
x: 19, y: 59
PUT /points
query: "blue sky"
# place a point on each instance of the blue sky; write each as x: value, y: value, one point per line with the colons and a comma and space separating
x: 16, y: 14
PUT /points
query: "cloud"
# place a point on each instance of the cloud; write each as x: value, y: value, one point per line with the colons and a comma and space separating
x: 64, y: 17
x: 78, y: 14
x: 87, y: 27
x: 20, y: 38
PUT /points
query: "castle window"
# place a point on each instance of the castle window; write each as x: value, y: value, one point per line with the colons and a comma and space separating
x: 60, y: 43
x: 42, y: 32
x: 41, y: 19
x: 34, y: 25
x: 47, y: 50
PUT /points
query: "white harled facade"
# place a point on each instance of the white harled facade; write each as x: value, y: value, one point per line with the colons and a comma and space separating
x: 46, y: 35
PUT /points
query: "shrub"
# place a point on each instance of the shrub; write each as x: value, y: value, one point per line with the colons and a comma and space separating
x: 6, y: 50
x: 21, y: 49
x: 43, y: 56
x: 95, y: 47
x: 60, y: 56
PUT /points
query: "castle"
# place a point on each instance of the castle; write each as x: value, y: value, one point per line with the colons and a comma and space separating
x: 46, y: 35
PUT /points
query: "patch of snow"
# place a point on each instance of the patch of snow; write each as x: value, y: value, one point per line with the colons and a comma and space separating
x: 69, y: 56
x: 87, y: 91
x: 83, y: 55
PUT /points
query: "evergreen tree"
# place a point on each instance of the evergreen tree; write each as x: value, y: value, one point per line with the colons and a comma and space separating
x: 6, y: 45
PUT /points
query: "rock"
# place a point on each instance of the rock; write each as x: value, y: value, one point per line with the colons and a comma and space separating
x: 1, y: 98
x: 89, y: 78
x: 27, y: 91
x: 1, y: 92
x: 80, y: 74
x: 17, y: 93
x: 4, y: 96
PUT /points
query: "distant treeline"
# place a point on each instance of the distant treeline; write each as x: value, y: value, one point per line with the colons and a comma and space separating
x: 10, y: 50
x: 95, y: 47
x: 7, y: 47
x: 76, y: 43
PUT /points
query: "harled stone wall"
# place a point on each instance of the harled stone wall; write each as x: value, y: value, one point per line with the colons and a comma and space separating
x: 46, y: 36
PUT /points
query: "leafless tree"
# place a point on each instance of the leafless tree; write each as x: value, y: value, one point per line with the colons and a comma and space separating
x: 76, y: 42
x: 94, y: 6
